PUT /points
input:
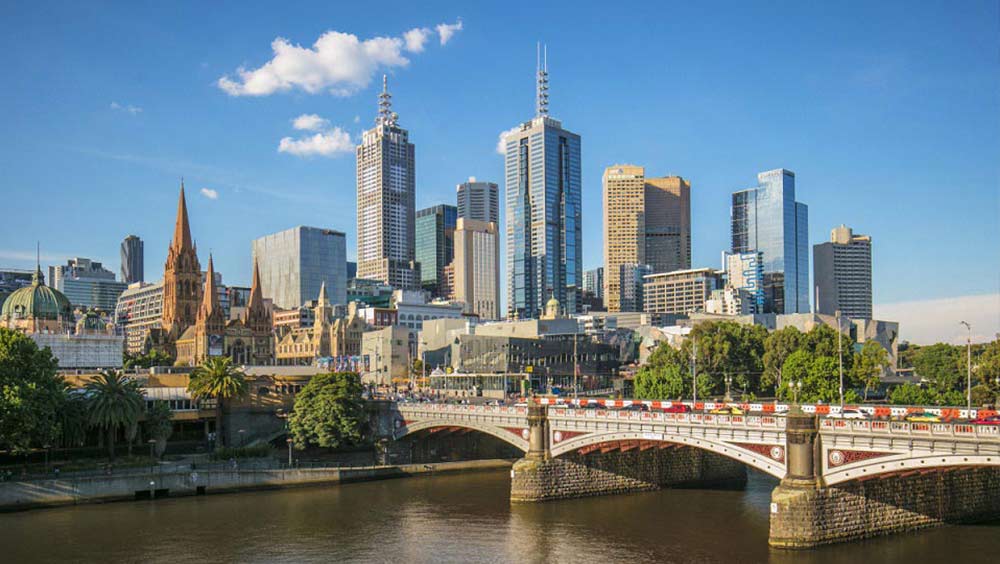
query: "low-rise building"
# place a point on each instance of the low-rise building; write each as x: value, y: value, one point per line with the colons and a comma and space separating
x: 682, y: 291
x: 138, y: 313
x: 390, y: 351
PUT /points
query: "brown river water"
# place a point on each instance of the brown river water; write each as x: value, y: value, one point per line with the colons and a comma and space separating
x: 450, y: 518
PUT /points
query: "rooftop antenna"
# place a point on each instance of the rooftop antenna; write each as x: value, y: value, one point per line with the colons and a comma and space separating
x: 385, y: 114
x: 542, y: 92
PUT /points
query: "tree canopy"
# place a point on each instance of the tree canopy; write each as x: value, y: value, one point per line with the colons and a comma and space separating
x: 329, y: 412
x: 114, y: 401
x: 218, y: 378
x: 31, y: 394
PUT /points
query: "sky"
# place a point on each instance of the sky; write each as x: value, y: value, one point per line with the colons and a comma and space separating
x: 887, y: 112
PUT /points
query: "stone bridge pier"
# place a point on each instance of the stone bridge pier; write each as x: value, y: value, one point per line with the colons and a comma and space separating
x: 613, y: 467
x: 806, y: 512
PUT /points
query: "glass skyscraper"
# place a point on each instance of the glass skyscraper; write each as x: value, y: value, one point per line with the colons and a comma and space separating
x: 435, y: 244
x: 768, y: 220
x: 132, y: 259
x: 294, y: 264
x: 542, y: 175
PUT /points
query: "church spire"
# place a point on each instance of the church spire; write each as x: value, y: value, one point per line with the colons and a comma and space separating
x: 256, y: 301
x: 38, y: 279
x: 210, y: 299
x: 182, y: 230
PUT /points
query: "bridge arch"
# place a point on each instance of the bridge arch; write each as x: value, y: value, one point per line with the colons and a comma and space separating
x: 756, y: 460
x: 503, y: 434
x: 890, y: 463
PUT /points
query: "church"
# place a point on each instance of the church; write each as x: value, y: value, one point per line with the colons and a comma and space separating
x: 194, y: 327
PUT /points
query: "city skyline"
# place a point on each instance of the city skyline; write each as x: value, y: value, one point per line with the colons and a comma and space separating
x: 831, y: 195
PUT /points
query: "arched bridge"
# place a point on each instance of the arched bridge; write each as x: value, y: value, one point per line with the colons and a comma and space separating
x: 846, y: 449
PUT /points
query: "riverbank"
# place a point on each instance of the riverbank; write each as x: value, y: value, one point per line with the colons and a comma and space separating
x: 33, y: 494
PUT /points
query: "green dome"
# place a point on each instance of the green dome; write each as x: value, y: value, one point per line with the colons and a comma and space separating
x: 37, y: 301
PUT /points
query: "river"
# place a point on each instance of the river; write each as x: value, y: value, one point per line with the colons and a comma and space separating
x: 450, y: 518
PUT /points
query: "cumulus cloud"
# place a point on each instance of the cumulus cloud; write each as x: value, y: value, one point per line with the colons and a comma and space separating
x: 415, y: 39
x: 932, y: 321
x: 324, y: 144
x: 310, y: 122
x: 339, y: 63
x: 127, y: 108
x: 502, y: 143
x: 446, y: 31
x: 209, y: 193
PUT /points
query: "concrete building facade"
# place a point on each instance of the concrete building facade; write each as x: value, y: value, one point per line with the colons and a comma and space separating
x: 87, y: 284
x: 647, y: 221
x: 681, y: 292
x: 477, y: 267
x: 479, y: 201
x: 842, y: 274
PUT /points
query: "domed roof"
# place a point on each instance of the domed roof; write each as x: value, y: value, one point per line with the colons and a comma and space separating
x: 37, y: 301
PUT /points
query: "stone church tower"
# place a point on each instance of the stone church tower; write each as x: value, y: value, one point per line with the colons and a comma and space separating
x: 181, y: 277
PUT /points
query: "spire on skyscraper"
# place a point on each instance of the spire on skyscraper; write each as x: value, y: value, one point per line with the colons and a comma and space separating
x: 542, y: 92
x: 385, y: 114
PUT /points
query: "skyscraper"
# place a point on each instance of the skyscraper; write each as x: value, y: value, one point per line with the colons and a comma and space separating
x: 542, y: 176
x: 132, y: 259
x: 593, y: 282
x: 647, y: 221
x: 294, y: 264
x: 767, y: 219
x: 477, y: 267
x: 386, y: 188
x: 479, y: 201
x: 87, y: 284
x: 745, y: 273
x: 842, y: 274
x: 435, y: 244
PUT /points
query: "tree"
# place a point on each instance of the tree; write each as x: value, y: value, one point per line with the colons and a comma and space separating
x: 31, y: 394
x: 159, y: 424
x: 910, y: 394
x: 869, y: 365
x: 818, y: 375
x: 777, y: 347
x: 943, y: 365
x: 114, y: 401
x: 982, y: 395
x: 328, y: 412
x: 73, y: 420
x: 152, y: 358
x: 987, y: 366
x: 218, y: 378
x: 728, y: 349
x: 661, y: 382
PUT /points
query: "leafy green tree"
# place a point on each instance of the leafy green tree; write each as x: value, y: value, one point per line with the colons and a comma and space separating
x: 31, y: 394
x: 159, y: 424
x: 987, y: 366
x: 152, y: 358
x: 982, y: 395
x: 114, y: 401
x: 661, y: 382
x: 777, y: 347
x: 910, y: 394
x: 725, y: 348
x: 869, y: 365
x: 329, y: 412
x: 218, y: 378
x: 943, y: 365
x: 819, y: 377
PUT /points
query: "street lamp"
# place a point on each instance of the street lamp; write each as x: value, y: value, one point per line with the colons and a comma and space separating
x: 840, y: 360
x: 289, y: 441
x: 968, y: 385
x: 152, y: 455
x: 729, y: 382
x: 796, y: 388
x: 694, y: 369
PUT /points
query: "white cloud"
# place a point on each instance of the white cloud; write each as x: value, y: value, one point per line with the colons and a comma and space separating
x: 325, y: 144
x: 209, y: 193
x: 446, y: 31
x: 129, y: 109
x: 933, y: 321
x: 310, y: 122
x: 337, y: 62
x: 415, y: 39
x: 357, y: 119
x: 501, y: 144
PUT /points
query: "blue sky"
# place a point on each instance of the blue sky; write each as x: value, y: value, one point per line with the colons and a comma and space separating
x: 887, y: 112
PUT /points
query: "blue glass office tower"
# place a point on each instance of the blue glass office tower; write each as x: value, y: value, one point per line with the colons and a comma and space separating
x: 768, y: 220
x: 435, y: 244
x: 542, y: 175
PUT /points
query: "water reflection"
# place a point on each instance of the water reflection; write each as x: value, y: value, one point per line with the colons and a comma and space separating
x: 462, y: 518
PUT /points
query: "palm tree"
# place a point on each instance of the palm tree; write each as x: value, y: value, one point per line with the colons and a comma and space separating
x: 218, y: 378
x: 114, y: 400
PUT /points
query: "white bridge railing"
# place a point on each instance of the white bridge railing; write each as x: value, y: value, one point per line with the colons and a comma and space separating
x: 917, y: 428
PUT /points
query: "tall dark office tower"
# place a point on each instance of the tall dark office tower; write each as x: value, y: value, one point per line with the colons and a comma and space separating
x: 132, y: 260
x: 435, y: 244
x: 544, y: 253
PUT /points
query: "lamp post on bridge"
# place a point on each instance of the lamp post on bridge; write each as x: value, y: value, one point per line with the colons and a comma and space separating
x: 840, y: 361
x: 968, y: 384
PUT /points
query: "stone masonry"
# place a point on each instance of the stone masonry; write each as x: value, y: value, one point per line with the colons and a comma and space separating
x: 803, y: 517
x: 614, y: 472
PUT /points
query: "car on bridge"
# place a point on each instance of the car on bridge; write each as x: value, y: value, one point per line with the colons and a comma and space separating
x: 849, y: 413
x: 922, y: 417
x: 677, y: 408
x: 988, y: 420
x: 726, y: 410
